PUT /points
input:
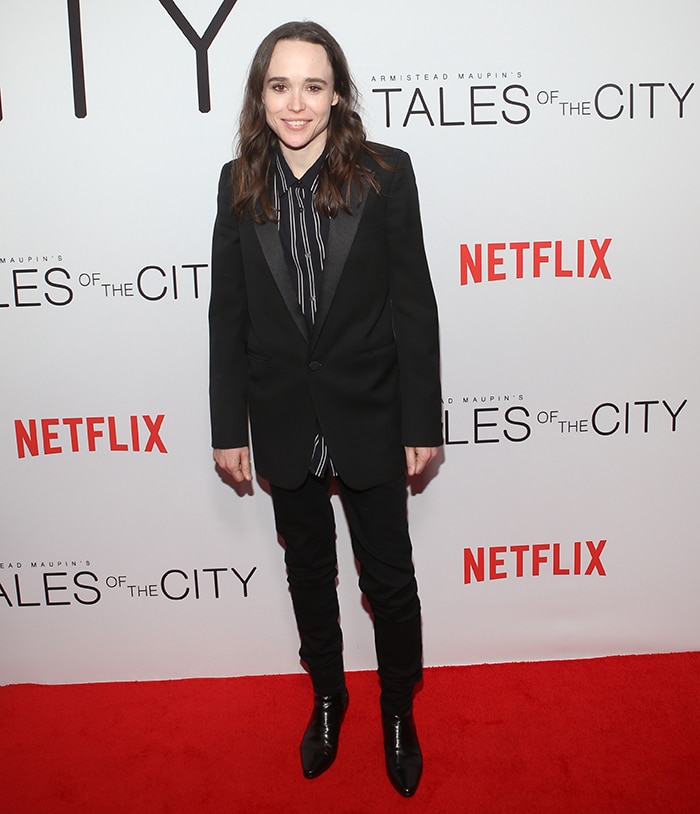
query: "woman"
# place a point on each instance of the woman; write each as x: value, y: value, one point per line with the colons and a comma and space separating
x: 324, y: 337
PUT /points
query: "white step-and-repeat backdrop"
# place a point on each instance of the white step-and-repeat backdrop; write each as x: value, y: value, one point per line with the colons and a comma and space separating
x: 556, y: 149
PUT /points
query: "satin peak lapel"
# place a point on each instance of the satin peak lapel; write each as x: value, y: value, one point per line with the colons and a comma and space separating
x: 341, y: 234
x: 268, y: 235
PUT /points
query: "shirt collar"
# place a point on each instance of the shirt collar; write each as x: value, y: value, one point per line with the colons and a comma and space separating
x: 288, y: 179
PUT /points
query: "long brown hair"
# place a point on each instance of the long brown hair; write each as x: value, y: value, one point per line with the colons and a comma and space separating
x: 347, y: 138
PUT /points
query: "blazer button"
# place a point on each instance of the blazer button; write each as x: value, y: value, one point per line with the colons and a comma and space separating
x: 314, y: 366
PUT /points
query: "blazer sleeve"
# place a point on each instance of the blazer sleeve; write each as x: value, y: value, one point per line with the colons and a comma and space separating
x: 414, y: 312
x: 228, y: 327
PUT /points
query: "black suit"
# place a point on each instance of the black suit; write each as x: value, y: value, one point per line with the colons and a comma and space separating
x: 369, y: 372
x: 367, y: 376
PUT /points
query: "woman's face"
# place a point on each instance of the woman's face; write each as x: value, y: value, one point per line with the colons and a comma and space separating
x: 298, y: 96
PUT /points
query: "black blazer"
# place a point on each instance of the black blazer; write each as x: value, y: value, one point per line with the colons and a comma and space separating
x: 369, y: 371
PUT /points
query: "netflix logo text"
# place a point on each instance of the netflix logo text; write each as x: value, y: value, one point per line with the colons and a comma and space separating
x: 533, y: 259
x: 53, y: 436
x: 541, y: 559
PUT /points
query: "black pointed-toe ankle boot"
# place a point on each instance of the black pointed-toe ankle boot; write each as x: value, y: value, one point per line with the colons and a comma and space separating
x: 319, y: 746
x: 404, y: 760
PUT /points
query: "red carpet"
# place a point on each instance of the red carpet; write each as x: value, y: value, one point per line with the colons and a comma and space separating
x: 607, y: 736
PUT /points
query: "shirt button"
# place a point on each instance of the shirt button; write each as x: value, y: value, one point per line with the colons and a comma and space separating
x: 314, y: 366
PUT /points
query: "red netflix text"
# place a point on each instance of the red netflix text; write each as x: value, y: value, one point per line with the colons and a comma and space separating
x: 556, y: 559
x: 52, y: 436
x: 502, y: 261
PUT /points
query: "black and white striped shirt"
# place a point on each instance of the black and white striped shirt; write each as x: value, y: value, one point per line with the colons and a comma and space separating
x: 303, y: 233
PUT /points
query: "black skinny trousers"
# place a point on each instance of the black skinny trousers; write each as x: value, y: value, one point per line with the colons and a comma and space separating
x: 381, y: 543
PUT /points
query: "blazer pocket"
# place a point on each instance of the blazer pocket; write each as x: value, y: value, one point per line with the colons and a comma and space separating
x: 258, y: 357
x: 385, y: 351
